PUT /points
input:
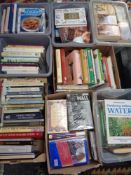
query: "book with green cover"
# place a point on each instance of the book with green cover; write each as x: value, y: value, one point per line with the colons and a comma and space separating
x: 90, y: 67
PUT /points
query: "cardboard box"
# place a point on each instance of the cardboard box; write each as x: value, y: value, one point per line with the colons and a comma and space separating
x: 65, y: 170
x: 107, y: 51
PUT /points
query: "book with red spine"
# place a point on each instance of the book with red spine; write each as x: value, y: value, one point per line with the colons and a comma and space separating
x: 104, y: 60
x: 64, y: 66
x: 12, y: 135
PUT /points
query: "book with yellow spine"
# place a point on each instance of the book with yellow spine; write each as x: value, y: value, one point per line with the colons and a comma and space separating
x: 84, y: 66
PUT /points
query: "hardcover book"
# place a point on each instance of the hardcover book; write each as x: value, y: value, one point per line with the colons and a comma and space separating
x: 31, y: 20
x: 70, y: 17
x: 118, y: 121
x: 79, y: 111
x: 73, y: 59
x: 57, y: 116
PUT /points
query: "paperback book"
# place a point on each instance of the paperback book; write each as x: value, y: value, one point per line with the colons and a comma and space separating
x: 79, y: 111
x: 57, y: 116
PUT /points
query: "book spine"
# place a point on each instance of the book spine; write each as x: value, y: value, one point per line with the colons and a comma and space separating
x: 106, y: 71
x: 19, y: 20
x: 100, y: 64
x: 37, y: 135
x: 24, y: 89
x: 23, y: 116
x: 14, y: 18
x: 21, y: 129
x: 10, y: 25
x: 41, y: 48
x: 15, y: 148
x: 20, y: 54
x: 75, y: 64
x: 7, y: 20
x: 24, y: 93
x: 64, y: 66
x: 90, y: 67
x: 3, y: 21
x: 84, y: 66
x: 93, y: 63
x: 16, y: 142
x: 58, y: 66
x: 97, y: 67
x: 110, y: 67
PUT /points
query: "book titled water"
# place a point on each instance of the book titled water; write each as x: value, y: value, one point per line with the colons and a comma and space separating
x: 31, y: 20
x: 118, y: 121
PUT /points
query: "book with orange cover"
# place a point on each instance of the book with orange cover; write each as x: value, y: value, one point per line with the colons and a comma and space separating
x: 84, y: 66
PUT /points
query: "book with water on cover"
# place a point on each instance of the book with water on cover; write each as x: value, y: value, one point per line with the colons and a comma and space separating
x: 118, y: 121
x: 79, y: 111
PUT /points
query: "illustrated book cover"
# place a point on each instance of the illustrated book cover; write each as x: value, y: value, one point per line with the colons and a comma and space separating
x: 31, y: 20
x: 79, y: 111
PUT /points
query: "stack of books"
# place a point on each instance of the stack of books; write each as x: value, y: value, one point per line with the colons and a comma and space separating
x: 23, y: 20
x: 111, y: 22
x: 67, y: 121
x: 22, y: 117
x: 86, y: 67
x: 22, y: 59
x: 71, y: 25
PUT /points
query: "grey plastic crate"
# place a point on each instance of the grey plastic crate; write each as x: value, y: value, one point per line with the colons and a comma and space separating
x: 30, y: 40
x: 119, y: 43
x: 31, y: 5
x: 70, y: 5
x: 105, y: 155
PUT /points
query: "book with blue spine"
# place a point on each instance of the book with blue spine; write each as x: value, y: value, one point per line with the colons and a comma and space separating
x: 23, y: 116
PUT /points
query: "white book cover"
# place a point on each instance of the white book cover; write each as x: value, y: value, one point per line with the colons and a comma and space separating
x: 14, y: 18
x: 118, y: 121
x: 3, y: 21
x: 7, y: 20
x: 70, y: 17
x: 58, y: 66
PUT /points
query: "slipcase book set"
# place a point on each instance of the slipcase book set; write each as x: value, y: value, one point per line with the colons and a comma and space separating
x: 87, y: 120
